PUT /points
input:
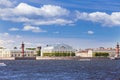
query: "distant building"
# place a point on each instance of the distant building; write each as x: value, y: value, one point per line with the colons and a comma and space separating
x: 16, y: 52
x: 111, y: 52
x: 58, y: 48
x: 84, y: 53
x: 90, y: 52
x: 38, y: 51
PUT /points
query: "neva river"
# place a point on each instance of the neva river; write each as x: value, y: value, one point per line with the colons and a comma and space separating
x: 60, y: 70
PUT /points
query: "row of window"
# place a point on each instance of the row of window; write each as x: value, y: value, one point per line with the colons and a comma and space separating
x: 4, y: 52
x: 5, y: 55
x: 21, y: 52
x: 19, y: 55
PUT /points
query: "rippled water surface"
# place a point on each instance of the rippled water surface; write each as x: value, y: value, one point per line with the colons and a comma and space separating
x: 60, y: 70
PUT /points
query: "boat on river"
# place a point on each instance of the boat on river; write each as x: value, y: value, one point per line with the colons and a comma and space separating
x: 2, y: 64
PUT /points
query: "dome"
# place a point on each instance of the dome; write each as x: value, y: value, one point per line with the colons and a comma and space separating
x: 62, y: 46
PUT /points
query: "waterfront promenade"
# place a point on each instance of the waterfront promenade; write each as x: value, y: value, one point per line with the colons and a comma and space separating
x: 54, y: 58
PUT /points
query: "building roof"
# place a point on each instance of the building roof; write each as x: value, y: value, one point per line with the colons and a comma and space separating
x: 58, y: 46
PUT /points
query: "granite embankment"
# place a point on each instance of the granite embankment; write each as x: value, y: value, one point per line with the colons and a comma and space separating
x: 53, y: 58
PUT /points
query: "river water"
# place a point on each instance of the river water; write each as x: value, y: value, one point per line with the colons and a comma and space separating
x: 60, y: 70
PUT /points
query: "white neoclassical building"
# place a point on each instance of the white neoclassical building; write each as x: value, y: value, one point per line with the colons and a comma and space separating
x: 57, y: 48
x: 89, y: 53
x: 16, y: 53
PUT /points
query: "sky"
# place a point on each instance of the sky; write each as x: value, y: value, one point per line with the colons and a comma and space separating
x: 78, y: 23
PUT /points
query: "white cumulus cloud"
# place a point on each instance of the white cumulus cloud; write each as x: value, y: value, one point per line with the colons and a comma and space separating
x: 5, y: 34
x: 4, y: 42
x: 45, y: 10
x: 100, y: 17
x: 53, y: 15
x: 13, y: 29
x: 18, y: 36
x: 52, y: 22
x: 90, y: 32
x: 33, y: 29
x: 51, y: 10
x: 6, y: 3
x: 44, y: 15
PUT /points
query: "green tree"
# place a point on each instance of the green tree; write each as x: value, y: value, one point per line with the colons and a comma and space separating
x: 101, y: 54
x: 39, y: 53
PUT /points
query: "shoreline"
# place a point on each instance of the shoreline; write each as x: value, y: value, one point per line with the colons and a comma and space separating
x: 55, y: 58
x: 70, y: 58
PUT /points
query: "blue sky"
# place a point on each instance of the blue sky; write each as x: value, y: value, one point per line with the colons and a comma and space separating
x: 79, y: 23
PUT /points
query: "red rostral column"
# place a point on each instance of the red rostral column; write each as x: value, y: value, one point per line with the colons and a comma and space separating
x: 22, y: 49
x: 117, y: 49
